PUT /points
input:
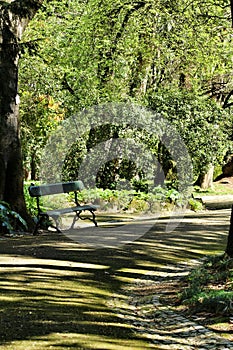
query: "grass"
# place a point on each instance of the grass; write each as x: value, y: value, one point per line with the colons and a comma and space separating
x: 208, y: 291
x: 218, y: 189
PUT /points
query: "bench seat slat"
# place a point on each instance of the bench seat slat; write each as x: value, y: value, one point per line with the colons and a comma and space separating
x: 58, y: 212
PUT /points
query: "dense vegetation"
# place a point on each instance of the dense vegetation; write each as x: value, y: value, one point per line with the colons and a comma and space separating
x: 174, y: 58
x: 207, y: 294
x: 209, y: 287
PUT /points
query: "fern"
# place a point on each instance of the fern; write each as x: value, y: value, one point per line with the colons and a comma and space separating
x: 10, y: 219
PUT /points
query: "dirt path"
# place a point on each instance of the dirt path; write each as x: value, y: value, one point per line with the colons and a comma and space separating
x: 60, y: 294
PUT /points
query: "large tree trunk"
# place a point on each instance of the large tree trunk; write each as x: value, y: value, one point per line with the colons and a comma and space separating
x: 14, y: 17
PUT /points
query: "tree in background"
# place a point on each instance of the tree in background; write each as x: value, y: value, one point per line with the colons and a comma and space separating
x: 38, y: 120
x: 100, y: 51
x: 203, y: 124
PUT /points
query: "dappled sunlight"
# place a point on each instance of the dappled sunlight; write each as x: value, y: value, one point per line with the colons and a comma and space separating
x: 4, y: 261
x: 170, y: 272
x: 43, y: 300
x: 65, y: 340
x: 58, y: 293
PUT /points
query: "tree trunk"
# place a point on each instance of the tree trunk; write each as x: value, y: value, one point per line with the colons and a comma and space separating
x: 229, y: 247
x: 33, y: 166
x: 14, y: 17
x: 205, y: 180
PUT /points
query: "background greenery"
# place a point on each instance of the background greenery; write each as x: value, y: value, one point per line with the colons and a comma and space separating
x: 172, y: 57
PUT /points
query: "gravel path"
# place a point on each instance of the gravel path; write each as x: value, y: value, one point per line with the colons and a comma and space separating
x: 168, y: 329
x: 162, y: 324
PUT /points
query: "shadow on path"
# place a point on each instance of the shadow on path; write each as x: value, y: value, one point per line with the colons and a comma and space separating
x: 56, y: 293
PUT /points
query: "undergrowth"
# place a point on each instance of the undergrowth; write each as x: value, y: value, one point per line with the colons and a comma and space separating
x: 160, y: 198
x: 10, y: 220
x: 209, y: 288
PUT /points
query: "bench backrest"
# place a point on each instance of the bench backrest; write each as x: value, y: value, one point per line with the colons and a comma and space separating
x: 61, y: 187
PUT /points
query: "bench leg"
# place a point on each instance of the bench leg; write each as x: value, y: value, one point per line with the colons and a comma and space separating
x: 40, y: 221
x: 77, y: 217
x: 35, y: 232
x: 56, y: 219
x: 93, y: 218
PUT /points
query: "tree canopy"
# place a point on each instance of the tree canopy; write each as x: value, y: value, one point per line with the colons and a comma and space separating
x: 86, y: 53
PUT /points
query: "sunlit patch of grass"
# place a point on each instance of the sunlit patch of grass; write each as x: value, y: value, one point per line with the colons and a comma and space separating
x: 218, y: 189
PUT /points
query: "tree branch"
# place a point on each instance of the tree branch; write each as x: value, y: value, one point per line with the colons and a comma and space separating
x: 226, y: 104
x: 66, y: 85
x: 232, y: 13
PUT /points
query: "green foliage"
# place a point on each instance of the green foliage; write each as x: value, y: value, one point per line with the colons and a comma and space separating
x: 93, y: 52
x: 210, y: 287
x: 39, y: 117
x: 74, y: 159
x: 30, y: 201
x: 132, y: 200
x: 10, y: 220
x: 140, y: 185
x: 204, y: 126
x: 97, y: 51
x: 218, y: 302
x: 195, y: 205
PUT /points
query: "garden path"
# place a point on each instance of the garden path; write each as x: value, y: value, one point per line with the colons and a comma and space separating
x: 58, y: 293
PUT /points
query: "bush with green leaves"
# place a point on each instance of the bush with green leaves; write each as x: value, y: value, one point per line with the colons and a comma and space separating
x: 210, y: 287
x: 195, y: 204
x: 10, y: 221
x: 30, y: 201
x: 203, y: 124
x: 132, y: 200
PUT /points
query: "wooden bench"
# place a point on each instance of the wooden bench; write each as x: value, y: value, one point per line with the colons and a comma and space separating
x: 58, y: 188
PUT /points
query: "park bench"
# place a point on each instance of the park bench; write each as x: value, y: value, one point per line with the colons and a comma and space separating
x: 58, y: 188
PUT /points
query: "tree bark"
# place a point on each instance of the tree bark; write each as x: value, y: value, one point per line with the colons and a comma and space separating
x: 14, y: 17
x: 205, y: 180
x: 229, y: 247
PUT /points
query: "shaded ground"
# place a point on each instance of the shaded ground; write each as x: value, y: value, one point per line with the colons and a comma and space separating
x: 59, y: 294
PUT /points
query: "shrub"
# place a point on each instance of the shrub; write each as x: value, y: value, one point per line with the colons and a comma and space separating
x: 30, y: 201
x: 133, y: 200
x: 195, y: 205
x: 10, y: 220
x: 210, y: 287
